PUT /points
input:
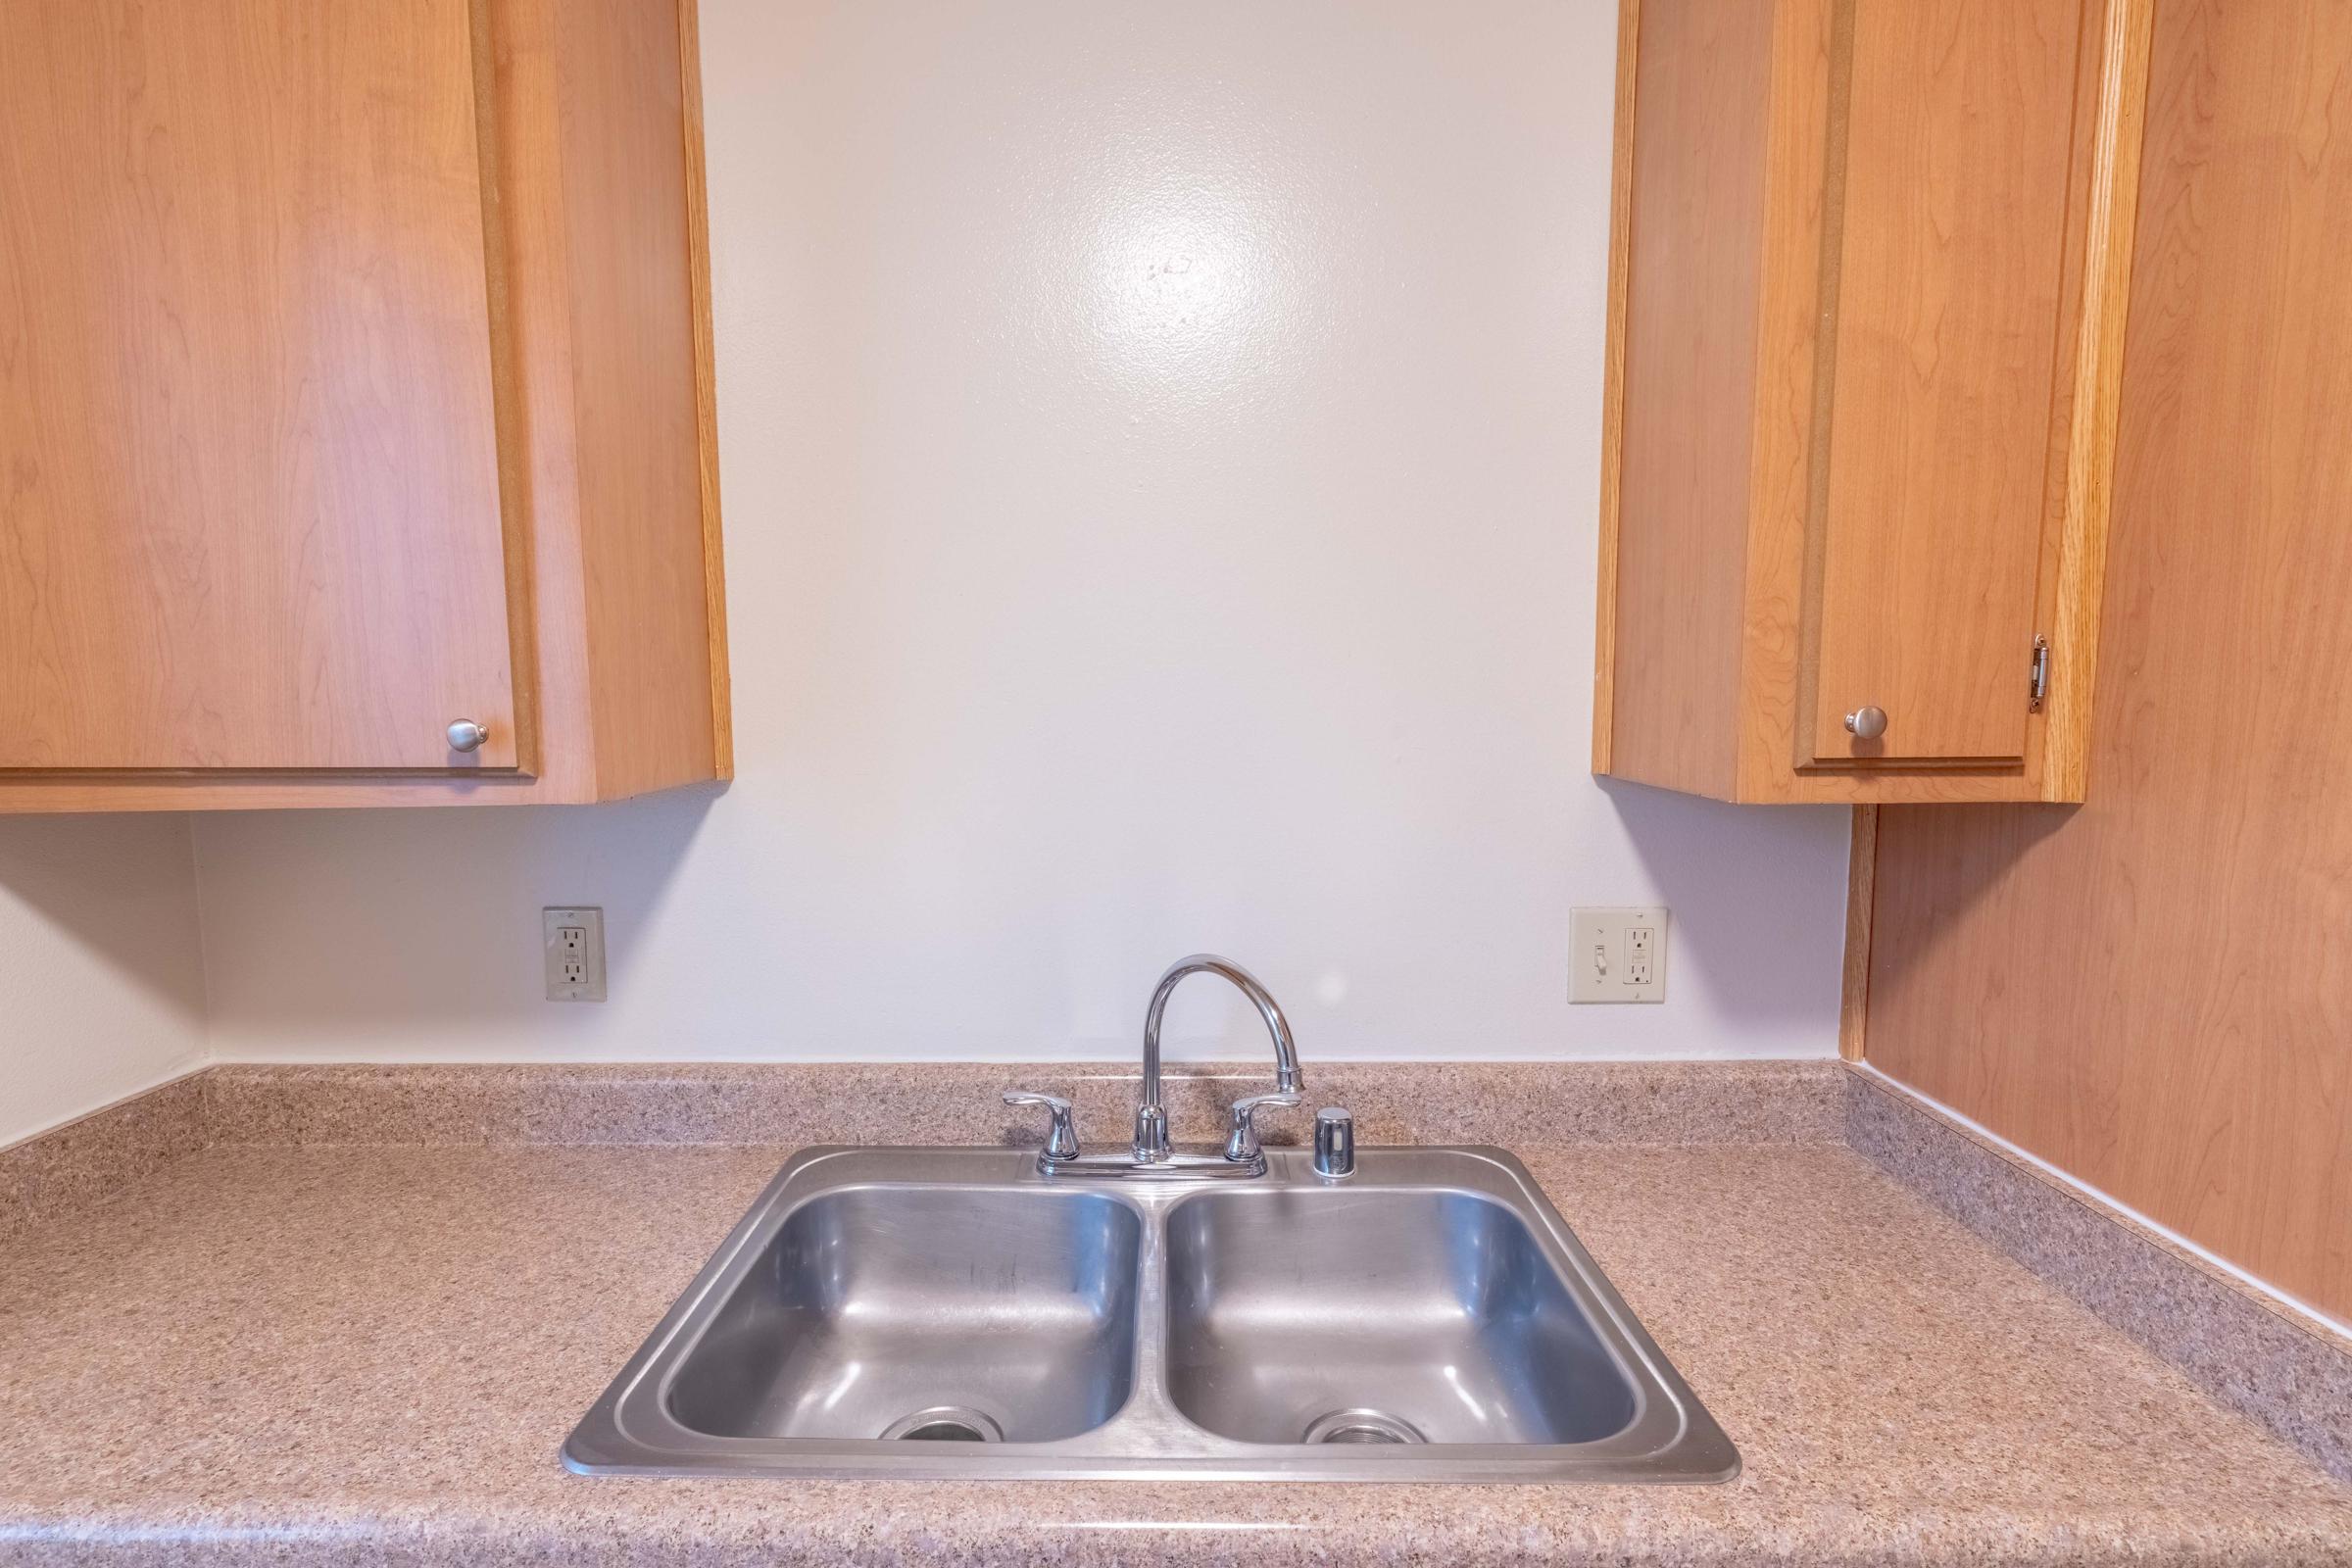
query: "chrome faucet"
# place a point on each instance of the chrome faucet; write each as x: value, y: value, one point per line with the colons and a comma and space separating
x: 1151, y: 1118
x: 1150, y: 1156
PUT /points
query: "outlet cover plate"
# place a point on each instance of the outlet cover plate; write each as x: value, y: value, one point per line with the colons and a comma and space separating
x: 1619, y: 955
x: 575, y: 954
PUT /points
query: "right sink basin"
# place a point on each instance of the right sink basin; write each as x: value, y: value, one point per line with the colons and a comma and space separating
x: 1380, y: 1316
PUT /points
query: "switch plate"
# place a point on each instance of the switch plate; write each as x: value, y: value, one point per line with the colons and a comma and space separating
x: 575, y: 954
x: 1618, y: 955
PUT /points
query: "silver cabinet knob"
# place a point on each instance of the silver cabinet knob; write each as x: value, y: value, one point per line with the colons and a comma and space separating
x: 1866, y: 723
x: 466, y: 736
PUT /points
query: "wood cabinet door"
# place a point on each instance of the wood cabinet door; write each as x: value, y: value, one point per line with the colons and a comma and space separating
x: 250, y: 508
x: 1951, y: 170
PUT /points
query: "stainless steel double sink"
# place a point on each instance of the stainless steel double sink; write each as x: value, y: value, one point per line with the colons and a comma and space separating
x: 960, y: 1313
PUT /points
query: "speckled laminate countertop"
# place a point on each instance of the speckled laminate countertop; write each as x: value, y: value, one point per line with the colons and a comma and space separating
x: 371, y: 1356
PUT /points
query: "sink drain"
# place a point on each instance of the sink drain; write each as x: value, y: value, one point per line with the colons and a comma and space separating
x: 1361, y: 1426
x: 946, y: 1423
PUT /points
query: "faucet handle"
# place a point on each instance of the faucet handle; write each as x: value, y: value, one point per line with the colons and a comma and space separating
x: 1240, y: 1141
x: 1061, y: 1133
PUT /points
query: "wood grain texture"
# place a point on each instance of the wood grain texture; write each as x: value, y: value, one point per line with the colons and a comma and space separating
x: 576, y: 348
x: 1959, y: 142
x: 1612, y: 387
x: 228, y: 789
x: 705, y: 384
x: 1660, y: 694
x: 1688, y: 343
x: 1796, y: 442
x: 1811, y: 66
x: 2077, y: 595
x: 252, y: 513
x: 1861, y: 893
x: 2153, y: 992
x: 509, y: 413
x: 636, y: 398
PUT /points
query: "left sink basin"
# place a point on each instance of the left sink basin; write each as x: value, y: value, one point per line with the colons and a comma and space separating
x: 928, y: 1312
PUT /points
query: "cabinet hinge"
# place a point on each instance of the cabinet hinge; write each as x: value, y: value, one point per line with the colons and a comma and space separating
x: 2040, y: 684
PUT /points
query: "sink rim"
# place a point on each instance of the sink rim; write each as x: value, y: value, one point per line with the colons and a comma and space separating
x: 629, y: 1431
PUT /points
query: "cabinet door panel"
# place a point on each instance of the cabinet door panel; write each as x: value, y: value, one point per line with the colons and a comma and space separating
x: 1958, y: 147
x: 249, y: 481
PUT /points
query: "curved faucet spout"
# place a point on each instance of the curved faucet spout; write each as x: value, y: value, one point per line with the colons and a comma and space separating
x: 1151, y: 1118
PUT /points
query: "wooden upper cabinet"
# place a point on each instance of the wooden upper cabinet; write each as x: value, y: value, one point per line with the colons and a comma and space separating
x: 354, y: 383
x: 1866, y: 302
x: 255, y: 518
x: 1945, y: 345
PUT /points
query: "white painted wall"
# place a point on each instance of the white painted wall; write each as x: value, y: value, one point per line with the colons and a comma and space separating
x: 1159, y: 446
x: 101, y: 968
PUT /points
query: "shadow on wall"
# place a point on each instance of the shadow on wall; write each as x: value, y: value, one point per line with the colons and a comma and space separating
x: 121, y: 889
x: 1720, y: 900
x: 350, y: 960
x: 1936, y: 864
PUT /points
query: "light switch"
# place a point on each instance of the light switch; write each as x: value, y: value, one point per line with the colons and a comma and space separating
x: 1619, y: 955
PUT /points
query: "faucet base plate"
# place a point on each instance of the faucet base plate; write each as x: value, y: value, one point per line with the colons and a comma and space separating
x: 1168, y: 1168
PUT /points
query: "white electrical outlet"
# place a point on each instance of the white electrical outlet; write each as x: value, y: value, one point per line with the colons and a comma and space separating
x: 1619, y: 955
x: 575, y: 954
